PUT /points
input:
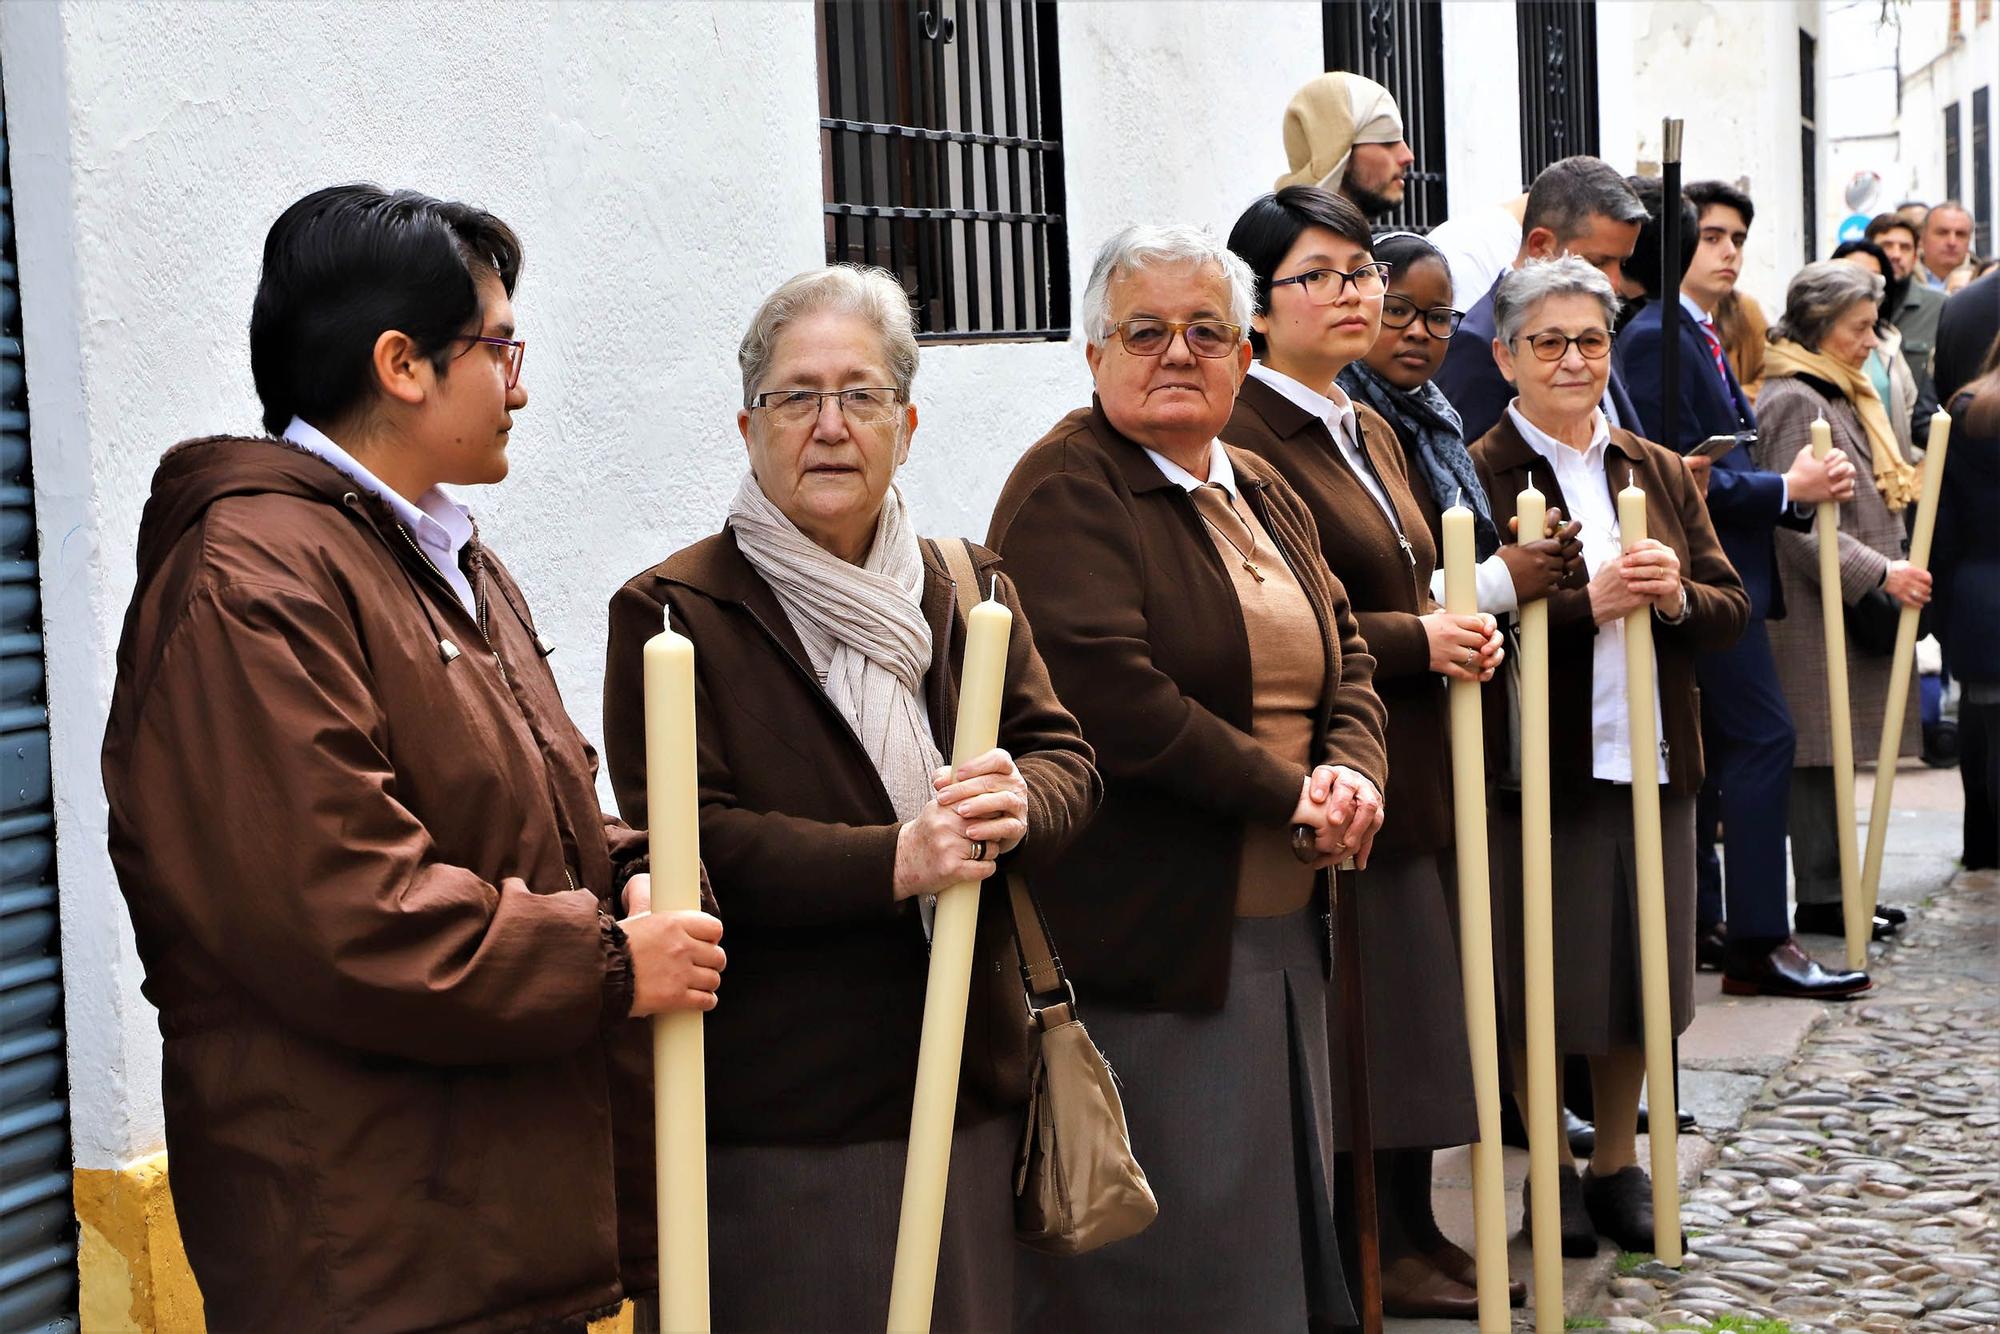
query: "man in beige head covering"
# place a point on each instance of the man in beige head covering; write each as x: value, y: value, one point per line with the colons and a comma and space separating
x: 1343, y: 133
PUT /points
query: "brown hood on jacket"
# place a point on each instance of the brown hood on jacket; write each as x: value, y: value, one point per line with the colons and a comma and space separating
x: 368, y: 879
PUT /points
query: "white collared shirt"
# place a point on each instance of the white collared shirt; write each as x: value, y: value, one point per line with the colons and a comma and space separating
x: 1580, y: 474
x: 1338, y: 414
x: 439, y: 525
x: 1220, y: 470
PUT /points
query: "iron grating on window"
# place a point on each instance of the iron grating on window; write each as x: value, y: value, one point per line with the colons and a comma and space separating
x: 1556, y: 41
x: 1982, y: 171
x: 941, y: 155
x: 1809, y: 140
x: 1400, y: 45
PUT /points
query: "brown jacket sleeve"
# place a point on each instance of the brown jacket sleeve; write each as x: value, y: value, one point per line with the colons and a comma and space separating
x: 1718, y: 608
x: 1072, y: 548
x: 760, y: 857
x: 296, y: 868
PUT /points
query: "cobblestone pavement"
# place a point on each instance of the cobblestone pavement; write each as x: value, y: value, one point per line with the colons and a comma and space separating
x: 1860, y: 1191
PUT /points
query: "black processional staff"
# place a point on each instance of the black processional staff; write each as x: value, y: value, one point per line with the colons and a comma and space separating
x: 1670, y: 284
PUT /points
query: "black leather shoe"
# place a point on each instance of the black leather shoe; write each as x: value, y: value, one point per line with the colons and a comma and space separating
x: 1790, y: 971
x: 1579, y: 1237
x: 1826, y: 919
x: 1683, y: 1119
x: 1621, y: 1208
x: 1582, y: 1135
x: 1711, y: 944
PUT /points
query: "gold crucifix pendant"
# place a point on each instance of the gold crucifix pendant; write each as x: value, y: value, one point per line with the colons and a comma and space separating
x: 1251, y: 566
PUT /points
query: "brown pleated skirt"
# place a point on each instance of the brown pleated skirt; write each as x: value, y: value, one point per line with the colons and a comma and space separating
x: 1599, y: 996
x: 1229, y: 1117
x: 1419, y: 1065
x: 803, y: 1237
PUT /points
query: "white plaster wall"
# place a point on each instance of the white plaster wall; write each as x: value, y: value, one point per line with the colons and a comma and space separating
x: 1731, y: 71
x: 1937, y: 74
x: 1482, y: 145
x: 661, y: 162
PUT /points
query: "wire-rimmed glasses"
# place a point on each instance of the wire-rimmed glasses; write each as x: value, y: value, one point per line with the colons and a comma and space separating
x: 867, y: 406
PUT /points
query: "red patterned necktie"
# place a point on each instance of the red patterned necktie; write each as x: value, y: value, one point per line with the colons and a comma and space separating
x: 1714, y: 349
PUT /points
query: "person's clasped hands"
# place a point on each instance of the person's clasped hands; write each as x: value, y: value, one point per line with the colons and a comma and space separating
x: 977, y: 814
x: 1344, y: 811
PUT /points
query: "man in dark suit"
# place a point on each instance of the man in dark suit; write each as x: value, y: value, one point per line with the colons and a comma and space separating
x: 1746, y: 729
x: 1967, y: 326
x: 1578, y: 206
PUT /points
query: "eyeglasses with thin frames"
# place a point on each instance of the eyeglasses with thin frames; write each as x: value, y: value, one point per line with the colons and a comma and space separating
x: 1554, y: 345
x: 1324, y: 286
x: 1439, y: 321
x: 1204, y: 338
x: 517, y: 352
x: 869, y: 406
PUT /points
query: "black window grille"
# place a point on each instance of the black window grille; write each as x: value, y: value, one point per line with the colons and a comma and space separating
x: 1982, y: 171
x: 1809, y: 140
x: 1952, y: 171
x: 941, y: 151
x: 1556, y: 41
x: 1400, y: 45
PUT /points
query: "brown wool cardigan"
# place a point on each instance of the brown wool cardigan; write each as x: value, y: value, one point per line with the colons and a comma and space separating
x: 814, y: 1038
x: 1718, y: 609
x: 1362, y: 549
x: 1139, y: 624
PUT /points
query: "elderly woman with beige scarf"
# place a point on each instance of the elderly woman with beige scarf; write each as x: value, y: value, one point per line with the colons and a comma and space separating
x: 828, y: 646
x: 1815, y: 367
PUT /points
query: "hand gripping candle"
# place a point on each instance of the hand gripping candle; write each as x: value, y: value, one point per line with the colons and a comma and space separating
x: 914, y: 1282
x: 1475, y: 934
x: 1899, y: 665
x: 1650, y: 880
x: 680, y: 1121
x: 1854, y: 913
x: 1538, y: 939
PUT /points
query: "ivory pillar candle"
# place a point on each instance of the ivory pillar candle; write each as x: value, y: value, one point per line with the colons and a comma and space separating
x: 1475, y: 921
x: 1854, y: 912
x: 1650, y: 880
x: 680, y: 1121
x: 921, y: 1224
x: 1538, y: 940
x: 1899, y: 665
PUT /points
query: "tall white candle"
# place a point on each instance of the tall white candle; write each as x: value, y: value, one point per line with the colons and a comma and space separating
x: 921, y: 1225
x: 680, y: 1119
x: 1833, y: 616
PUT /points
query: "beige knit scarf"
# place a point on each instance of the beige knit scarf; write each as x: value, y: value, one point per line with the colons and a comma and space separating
x: 863, y: 628
x: 1894, y: 477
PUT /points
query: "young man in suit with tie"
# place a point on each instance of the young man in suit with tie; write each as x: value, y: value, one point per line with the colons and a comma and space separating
x: 1746, y: 729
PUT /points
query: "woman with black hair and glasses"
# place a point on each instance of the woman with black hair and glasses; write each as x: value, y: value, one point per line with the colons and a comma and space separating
x: 1320, y: 298
x: 359, y: 837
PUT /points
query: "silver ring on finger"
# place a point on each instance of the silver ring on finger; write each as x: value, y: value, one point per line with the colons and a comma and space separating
x: 1471, y: 656
x: 978, y: 849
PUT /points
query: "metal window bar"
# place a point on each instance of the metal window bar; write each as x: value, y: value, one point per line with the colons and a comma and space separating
x: 1982, y: 171
x: 1809, y: 140
x: 1953, y: 167
x: 1556, y: 41
x: 1400, y: 45
x: 951, y: 177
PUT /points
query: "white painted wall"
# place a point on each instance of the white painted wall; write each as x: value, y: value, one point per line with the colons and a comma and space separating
x: 1482, y: 145
x: 1937, y: 73
x: 661, y: 162
x: 1731, y: 71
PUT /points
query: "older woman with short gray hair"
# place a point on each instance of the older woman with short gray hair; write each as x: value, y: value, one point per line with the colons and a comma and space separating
x: 1816, y: 368
x: 1553, y: 322
x: 828, y: 647
x: 1188, y: 618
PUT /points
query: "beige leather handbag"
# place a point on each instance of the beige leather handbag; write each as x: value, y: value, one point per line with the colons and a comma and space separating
x: 1077, y: 1185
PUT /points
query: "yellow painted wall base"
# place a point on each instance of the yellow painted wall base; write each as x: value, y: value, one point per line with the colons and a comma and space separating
x: 132, y: 1269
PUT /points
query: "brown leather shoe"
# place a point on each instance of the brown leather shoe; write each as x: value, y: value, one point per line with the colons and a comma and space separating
x: 1412, y: 1286
x: 1789, y: 971
x: 1462, y: 1268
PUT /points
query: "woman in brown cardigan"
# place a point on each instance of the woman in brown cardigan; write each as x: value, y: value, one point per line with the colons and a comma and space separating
x: 1187, y: 617
x: 828, y: 647
x: 1552, y: 341
x: 1320, y: 294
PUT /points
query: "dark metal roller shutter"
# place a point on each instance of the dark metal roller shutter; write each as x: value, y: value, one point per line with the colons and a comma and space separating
x: 37, y: 1229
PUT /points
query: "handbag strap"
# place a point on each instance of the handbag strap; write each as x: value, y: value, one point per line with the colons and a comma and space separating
x: 1041, y: 971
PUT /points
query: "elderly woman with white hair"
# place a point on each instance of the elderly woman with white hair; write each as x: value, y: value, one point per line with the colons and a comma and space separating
x: 828, y: 647
x: 1552, y: 342
x: 1816, y: 366
x: 1188, y: 618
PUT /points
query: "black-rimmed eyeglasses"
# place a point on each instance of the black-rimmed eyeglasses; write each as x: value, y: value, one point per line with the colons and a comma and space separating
x: 1439, y: 321
x: 1324, y: 286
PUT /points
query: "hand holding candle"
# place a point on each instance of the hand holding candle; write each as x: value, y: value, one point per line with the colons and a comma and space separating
x: 1650, y: 879
x: 982, y: 684
x: 1855, y: 914
x: 680, y: 1121
x: 1900, y: 663
x: 1475, y: 931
